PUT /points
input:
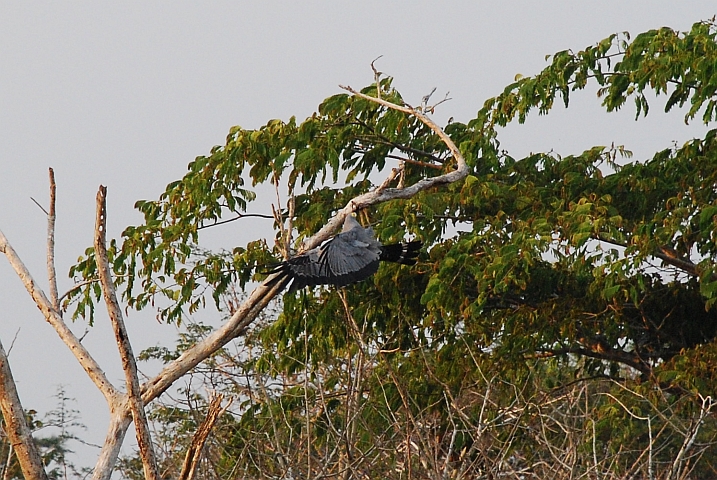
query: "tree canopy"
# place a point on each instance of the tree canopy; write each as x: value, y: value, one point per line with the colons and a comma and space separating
x: 561, y: 317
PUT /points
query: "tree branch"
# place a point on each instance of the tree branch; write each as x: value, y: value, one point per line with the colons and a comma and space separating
x: 194, y: 452
x: 385, y: 141
x: 51, y: 272
x: 83, y: 356
x: 16, y: 426
x: 602, y: 352
x: 129, y: 365
x: 120, y: 420
x: 384, y: 194
x: 665, y: 253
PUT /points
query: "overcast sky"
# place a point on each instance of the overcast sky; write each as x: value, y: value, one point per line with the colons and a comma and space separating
x: 126, y: 94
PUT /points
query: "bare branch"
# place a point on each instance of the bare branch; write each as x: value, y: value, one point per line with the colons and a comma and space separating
x: 83, y: 356
x: 16, y: 425
x: 236, y: 325
x: 51, y: 272
x: 676, y: 470
x: 194, y: 453
x: 415, y: 162
x: 129, y: 365
x: 426, y: 99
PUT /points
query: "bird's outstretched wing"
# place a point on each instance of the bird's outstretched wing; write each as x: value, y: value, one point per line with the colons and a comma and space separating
x: 349, y: 257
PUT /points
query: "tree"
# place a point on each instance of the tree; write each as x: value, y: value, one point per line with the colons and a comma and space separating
x: 560, y: 319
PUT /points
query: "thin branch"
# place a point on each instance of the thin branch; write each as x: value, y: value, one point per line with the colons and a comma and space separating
x: 690, y: 437
x: 670, y: 257
x: 598, y: 352
x: 76, y: 286
x: 426, y: 99
x: 40, y: 206
x: 51, y: 272
x: 12, y: 344
x: 667, y: 255
x: 129, y: 365
x: 238, y: 217
x: 415, y: 162
x: 406, y: 149
x: 16, y: 426
x: 8, y: 462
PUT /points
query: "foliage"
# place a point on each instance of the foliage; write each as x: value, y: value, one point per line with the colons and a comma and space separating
x: 561, y: 314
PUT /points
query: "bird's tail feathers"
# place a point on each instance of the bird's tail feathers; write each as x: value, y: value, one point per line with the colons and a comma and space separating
x: 403, y: 253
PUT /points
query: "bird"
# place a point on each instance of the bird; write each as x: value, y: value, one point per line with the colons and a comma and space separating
x: 350, y: 256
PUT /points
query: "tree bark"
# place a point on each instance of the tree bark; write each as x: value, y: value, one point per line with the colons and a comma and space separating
x: 16, y: 425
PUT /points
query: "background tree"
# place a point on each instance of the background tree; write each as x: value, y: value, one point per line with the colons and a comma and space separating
x: 560, y: 319
x: 54, y: 446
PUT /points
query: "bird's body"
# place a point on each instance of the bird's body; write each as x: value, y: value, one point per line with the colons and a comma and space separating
x: 351, y: 256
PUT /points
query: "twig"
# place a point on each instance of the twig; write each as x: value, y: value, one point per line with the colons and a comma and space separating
x: 307, y: 409
x: 377, y: 76
x: 12, y: 344
x: 41, y: 207
x: 415, y: 162
x: 290, y: 227
x: 76, y: 286
x: 8, y: 462
x: 426, y: 99
x: 129, y: 365
x: 406, y: 149
x: 667, y: 254
x: 676, y: 468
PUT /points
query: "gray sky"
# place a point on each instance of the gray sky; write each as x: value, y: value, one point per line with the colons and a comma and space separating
x: 126, y: 94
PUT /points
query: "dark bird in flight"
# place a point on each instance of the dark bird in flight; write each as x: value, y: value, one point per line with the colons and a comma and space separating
x: 349, y: 257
